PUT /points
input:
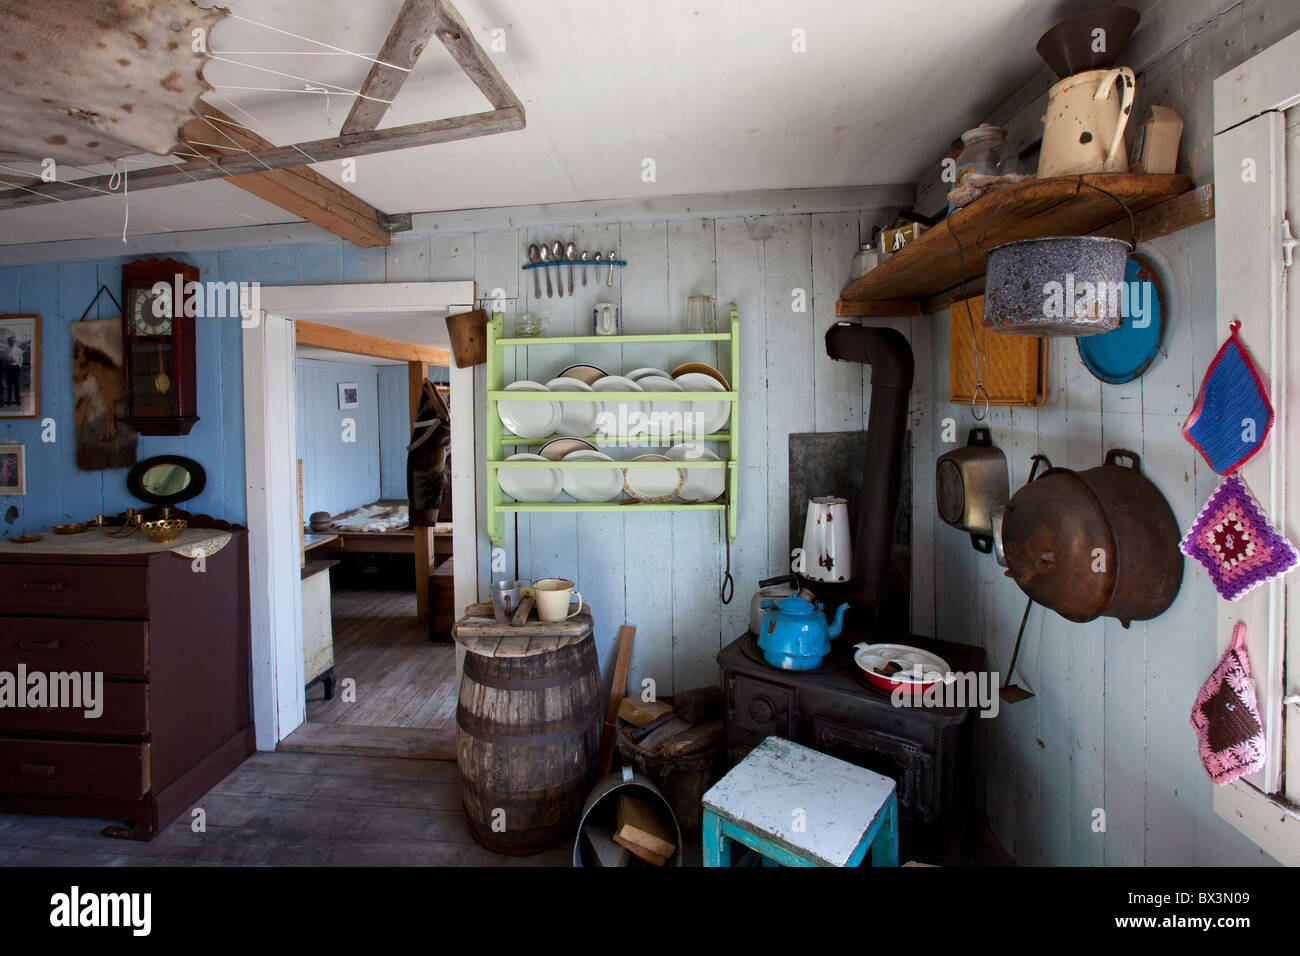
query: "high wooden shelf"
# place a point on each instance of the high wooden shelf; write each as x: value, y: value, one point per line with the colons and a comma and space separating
x: 929, y: 265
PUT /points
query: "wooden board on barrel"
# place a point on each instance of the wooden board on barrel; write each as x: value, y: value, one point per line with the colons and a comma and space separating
x: 527, y: 728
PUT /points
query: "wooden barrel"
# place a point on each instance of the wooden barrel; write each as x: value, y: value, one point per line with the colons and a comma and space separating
x: 528, y: 725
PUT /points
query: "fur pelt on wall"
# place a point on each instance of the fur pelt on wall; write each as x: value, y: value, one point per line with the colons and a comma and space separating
x: 99, y: 391
x: 427, y: 474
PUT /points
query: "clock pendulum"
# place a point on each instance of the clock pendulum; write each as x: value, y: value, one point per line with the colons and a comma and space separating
x: 161, y: 381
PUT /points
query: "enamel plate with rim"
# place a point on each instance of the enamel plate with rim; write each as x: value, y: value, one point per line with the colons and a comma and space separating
x: 529, y: 419
x: 620, y: 418
x: 592, y: 484
x: 530, y: 485
x: 701, y: 484
x: 586, y: 374
x: 875, y: 661
x: 712, y: 415
x: 576, y: 418
x: 557, y: 448
x: 653, y: 484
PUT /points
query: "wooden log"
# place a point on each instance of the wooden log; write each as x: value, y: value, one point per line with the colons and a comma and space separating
x: 636, y: 712
x: 617, y: 690
x: 640, y: 829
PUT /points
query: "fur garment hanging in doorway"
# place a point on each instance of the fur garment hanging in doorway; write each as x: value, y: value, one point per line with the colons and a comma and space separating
x: 426, y: 458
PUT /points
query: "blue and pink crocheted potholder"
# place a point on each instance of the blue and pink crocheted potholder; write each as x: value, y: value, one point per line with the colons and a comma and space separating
x: 1233, y: 415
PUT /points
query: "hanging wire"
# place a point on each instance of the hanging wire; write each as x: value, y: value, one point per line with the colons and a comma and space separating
x: 337, y: 49
x: 300, y: 79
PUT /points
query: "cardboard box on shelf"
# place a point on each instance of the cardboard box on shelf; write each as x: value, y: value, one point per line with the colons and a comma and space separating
x: 1155, y: 146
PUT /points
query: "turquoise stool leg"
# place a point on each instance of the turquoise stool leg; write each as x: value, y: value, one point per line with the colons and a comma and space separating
x: 884, y: 848
x: 717, y: 847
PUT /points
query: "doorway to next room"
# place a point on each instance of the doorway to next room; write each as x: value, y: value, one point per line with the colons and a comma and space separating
x: 379, y: 663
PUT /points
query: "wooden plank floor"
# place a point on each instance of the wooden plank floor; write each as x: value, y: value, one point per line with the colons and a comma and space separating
x: 405, y: 702
x: 289, y: 809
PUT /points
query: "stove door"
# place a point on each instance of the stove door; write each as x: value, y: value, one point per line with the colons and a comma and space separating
x: 757, y: 709
x: 904, y: 760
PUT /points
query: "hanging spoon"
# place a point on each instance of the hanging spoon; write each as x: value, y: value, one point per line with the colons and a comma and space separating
x: 612, y: 256
x: 585, y: 258
x: 546, y: 258
x: 571, y: 253
x: 599, y: 260
x: 557, y: 252
x: 535, y: 256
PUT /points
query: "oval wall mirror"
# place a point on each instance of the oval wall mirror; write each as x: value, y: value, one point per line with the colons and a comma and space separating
x: 166, y: 479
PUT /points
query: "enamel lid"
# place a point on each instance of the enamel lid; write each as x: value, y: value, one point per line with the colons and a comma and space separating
x: 795, y: 605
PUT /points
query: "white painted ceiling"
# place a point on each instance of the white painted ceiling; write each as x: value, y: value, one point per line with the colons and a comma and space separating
x: 711, y: 90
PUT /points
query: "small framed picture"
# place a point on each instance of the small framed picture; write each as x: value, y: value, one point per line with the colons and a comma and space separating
x: 13, y: 469
x: 20, y: 366
x: 349, y: 395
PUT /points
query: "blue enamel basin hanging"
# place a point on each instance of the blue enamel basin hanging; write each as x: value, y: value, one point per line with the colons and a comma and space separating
x: 1125, y: 353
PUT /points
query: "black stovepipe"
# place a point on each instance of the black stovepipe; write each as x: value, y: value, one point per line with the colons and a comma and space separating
x: 890, y: 357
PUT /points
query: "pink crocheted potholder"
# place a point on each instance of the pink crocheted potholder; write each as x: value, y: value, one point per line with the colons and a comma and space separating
x: 1226, y: 717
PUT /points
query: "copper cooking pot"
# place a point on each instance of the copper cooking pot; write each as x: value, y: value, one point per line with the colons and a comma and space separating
x: 1097, y: 542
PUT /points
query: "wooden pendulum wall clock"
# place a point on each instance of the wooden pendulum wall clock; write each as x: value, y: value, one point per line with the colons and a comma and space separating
x: 158, y: 347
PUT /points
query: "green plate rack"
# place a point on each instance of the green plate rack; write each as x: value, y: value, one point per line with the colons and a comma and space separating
x: 498, y: 439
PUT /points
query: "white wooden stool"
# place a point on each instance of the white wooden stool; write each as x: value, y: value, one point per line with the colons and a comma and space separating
x: 799, y: 807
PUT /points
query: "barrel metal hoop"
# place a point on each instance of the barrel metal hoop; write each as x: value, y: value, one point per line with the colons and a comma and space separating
x: 476, y: 672
x: 576, y: 727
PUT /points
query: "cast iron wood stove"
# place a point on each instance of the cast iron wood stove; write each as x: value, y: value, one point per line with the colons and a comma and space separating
x: 833, y: 709
x: 926, y: 750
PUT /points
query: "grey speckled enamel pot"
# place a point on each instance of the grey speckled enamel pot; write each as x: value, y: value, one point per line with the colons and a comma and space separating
x: 1068, y: 285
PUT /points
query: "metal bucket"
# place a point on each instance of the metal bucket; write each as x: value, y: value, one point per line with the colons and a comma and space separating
x: 605, y: 795
x: 1059, y: 285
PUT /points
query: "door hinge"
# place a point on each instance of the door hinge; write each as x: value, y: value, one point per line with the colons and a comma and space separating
x: 1289, y: 242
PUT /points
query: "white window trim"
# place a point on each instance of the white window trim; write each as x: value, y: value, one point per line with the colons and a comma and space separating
x: 1249, y: 106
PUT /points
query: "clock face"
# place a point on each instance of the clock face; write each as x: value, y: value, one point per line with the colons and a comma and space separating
x: 145, y: 306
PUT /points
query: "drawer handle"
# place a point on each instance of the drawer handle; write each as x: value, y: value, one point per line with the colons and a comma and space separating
x: 36, y: 769
x: 45, y: 644
x: 42, y: 585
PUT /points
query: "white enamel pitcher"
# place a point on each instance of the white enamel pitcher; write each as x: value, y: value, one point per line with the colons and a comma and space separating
x: 1083, y: 131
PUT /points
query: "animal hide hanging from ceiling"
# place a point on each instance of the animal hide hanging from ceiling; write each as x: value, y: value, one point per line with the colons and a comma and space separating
x: 427, y: 478
x: 98, y: 388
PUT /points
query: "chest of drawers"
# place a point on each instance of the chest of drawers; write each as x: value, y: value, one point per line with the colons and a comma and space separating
x: 169, y: 639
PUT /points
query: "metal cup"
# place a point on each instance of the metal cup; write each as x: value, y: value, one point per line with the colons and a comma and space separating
x: 505, y: 600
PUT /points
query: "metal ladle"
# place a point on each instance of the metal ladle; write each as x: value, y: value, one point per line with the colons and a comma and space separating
x: 535, y: 256
x: 546, y: 258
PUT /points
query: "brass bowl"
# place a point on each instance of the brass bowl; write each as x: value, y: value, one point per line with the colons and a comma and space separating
x: 75, y: 527
x: 26, y: 538
x: 164, y: 530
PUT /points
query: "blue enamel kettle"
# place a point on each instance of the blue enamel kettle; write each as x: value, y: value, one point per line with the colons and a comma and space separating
x: 795, y: 635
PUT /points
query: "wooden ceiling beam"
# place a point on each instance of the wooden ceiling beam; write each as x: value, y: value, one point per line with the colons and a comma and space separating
x: 406, y: 39
x: 281, y: 157
x: 299, y: 190
x: 459, y: 40
x: 357, y: 343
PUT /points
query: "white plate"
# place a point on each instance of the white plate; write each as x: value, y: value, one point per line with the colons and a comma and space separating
x: 586, y: 374
x: 592, y: 484
x: 653, y: 484
x: 712, y: 415
x: 668, y: 418
x: 872, y: 656
x: 620, y: 418
x: 529, y: 419
x: 530, y: 484
x: 576, y: 418
x: 637, y: 374
x: 702, y: 484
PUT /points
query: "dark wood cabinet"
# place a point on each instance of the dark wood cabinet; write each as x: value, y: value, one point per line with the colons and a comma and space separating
x: 172, y: 644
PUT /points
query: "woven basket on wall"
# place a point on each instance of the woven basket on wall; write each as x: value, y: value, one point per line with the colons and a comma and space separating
x: 1014, y: 366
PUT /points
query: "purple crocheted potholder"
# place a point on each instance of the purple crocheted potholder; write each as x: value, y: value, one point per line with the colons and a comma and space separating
x: 1232, y: 537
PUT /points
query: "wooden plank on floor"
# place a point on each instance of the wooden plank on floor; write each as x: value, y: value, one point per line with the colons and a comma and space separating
x: 409, y: 742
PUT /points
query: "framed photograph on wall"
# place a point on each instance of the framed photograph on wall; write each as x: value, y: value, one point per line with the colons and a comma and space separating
x: 349, y: 395
x: 13, y: 469
x: 20, y: 366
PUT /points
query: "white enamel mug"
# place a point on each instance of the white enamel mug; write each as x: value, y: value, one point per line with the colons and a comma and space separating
x: 553, y: 596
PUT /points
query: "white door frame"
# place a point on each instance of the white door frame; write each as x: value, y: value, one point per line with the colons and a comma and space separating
x: 1250, y: 185
x: 270, y: 454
